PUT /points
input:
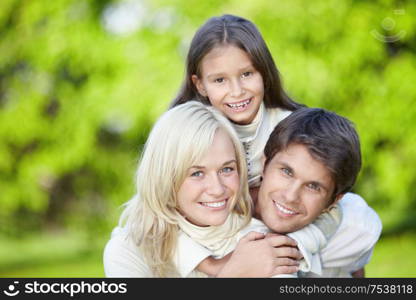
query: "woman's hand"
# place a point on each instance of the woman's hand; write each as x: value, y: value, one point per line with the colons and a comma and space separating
x: 257, y: 255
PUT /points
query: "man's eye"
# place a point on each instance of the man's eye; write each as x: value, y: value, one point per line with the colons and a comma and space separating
x: 314, y: 186
x: 286, y: 171
x: 197, y: 174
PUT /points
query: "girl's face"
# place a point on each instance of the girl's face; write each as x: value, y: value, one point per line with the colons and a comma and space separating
x: 205, y: 197
x: 231, y: 83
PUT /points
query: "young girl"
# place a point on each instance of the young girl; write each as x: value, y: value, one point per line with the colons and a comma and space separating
x: 230, y: 67
x: 193, y: 179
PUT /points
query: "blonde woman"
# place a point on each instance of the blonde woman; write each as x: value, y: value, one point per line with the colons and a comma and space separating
x: 192, y: 182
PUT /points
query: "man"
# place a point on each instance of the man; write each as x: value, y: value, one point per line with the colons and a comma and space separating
x: 312, y: 159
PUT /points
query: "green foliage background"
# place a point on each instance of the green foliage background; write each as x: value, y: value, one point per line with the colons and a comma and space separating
x: 77, y: 102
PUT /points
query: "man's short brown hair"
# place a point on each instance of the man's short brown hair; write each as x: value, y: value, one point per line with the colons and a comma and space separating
x: 329, y: 138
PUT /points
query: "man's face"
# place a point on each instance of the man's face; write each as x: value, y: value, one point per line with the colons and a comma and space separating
x: 295, y: 189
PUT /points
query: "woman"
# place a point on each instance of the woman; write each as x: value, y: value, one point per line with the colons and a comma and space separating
x: 192, y: 182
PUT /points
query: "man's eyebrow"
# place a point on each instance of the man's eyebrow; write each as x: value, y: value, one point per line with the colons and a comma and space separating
x: 279, y: 162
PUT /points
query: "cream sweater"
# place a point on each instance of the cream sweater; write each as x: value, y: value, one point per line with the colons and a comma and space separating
x: 254, y: 137
x: 348, y: 250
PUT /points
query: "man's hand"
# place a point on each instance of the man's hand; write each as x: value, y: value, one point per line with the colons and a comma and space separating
x: 257, y: 255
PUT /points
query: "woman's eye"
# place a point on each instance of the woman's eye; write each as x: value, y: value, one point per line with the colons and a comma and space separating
x: 219, y: 80
x: 246, y: 74
x: 197, y: 174
x: 227, y: 170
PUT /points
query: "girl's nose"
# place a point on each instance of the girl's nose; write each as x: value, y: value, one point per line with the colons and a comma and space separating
x: 236, y: 88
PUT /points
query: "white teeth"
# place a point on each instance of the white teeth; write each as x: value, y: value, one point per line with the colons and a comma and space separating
x: 239, y: 105
x: 213, y: 204
x: 284, y: 210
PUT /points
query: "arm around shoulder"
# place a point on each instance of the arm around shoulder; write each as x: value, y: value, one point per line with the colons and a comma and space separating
x: 356, y: 236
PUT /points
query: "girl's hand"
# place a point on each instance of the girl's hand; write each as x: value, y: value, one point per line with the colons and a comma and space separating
x: 257, y: 255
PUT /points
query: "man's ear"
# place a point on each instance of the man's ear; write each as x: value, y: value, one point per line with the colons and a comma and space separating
x: 336, y: 200
x: 199, y: 86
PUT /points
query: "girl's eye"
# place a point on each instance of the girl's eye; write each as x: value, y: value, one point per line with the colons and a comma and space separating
x: 246, y: 74
x: 314, y: 186
x: 197, y: 174
x: 219, y: 80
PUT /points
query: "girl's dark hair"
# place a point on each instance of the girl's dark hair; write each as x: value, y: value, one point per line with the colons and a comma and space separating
x: 239, y: 32
x: 329, y: 138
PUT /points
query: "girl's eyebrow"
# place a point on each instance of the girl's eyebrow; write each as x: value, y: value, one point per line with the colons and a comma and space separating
x: 219, y: 74
x: 247, y: 67
x: 215, y: 74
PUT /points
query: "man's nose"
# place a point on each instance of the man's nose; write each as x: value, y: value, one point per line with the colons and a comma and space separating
x: 292, y: 192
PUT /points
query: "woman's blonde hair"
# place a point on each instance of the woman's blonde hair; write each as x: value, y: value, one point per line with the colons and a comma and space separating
x: 178, y: 140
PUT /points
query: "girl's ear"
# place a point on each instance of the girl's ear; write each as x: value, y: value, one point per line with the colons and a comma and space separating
x: 199, y: 86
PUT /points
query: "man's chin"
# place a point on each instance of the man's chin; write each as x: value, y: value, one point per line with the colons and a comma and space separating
x: 283, y: 228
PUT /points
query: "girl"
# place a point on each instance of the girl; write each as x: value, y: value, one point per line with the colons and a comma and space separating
x: 192, y: 179
x: 230, y: 67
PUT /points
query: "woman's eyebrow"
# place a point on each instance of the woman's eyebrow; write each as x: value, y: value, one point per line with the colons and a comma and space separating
x: 225, y: 163
x: 229, y: 162
x: 196, y: 167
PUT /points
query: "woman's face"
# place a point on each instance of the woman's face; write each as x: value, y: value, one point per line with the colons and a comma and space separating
x: 231, y: 83
x: 206, y: 195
